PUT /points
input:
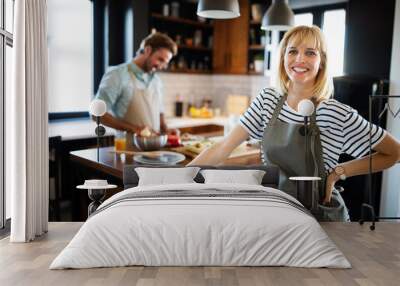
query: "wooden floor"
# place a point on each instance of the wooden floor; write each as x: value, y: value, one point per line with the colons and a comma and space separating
x: 374, y: 255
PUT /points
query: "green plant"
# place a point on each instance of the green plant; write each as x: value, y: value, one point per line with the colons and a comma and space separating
x: 259, y: 57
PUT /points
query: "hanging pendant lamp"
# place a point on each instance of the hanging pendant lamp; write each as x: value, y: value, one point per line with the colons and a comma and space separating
x: 218, y: 9
x: 278, y: 17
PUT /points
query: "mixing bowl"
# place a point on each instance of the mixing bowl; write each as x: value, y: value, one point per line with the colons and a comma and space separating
x: 150, y: 143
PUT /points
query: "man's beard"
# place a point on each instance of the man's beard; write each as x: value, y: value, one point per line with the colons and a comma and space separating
x: 148, y: 68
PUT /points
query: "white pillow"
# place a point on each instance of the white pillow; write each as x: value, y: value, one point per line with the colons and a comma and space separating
x: 249, y: 177
x: 164, y: 176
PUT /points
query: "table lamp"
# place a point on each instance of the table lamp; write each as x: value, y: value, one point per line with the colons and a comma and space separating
x: 304, y: 184
x: 98, y: 108
x: 306, y: 109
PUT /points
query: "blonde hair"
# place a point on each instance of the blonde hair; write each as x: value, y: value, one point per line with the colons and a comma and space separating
x: 323, y: 86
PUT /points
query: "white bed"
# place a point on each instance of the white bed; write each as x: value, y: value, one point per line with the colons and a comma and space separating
x: 221, y: 225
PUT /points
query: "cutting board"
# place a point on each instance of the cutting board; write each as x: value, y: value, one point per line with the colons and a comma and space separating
x: 242, y: 150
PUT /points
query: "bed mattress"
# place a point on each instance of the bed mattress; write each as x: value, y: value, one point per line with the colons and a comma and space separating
x: 201, y: 225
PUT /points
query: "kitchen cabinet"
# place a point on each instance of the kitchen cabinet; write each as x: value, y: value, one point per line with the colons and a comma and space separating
x: 192, y: 34
x: 212, y: 46
x: 230, y: 49
x: 259, y: 41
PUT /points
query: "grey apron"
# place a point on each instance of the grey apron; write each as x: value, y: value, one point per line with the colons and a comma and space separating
x: 284, y: 146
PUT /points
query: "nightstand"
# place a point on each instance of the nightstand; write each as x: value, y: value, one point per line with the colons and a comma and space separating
x: 96, y: 192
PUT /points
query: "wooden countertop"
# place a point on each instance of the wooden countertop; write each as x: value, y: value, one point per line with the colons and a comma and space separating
x: 113, y: 163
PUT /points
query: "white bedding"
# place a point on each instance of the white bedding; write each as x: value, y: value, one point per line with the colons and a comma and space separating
x: 183, y: 231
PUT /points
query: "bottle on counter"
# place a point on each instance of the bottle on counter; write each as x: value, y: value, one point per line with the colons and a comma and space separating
x: 178, y: 106
x: 190, y: 103
x: 207, y: 101
x: 189, y: 106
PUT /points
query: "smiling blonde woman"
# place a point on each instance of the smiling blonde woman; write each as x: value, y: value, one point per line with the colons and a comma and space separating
x: 335, y: 128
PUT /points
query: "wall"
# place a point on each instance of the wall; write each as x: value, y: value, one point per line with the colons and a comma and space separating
x: 390, y: 200
x: 369, y: 37
x: 195, y: 88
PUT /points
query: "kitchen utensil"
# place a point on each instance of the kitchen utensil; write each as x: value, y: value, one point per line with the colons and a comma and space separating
x: 164, y: 158
x: 150, y: 143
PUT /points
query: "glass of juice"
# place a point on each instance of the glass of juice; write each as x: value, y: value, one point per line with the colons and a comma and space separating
x: 120, y: 140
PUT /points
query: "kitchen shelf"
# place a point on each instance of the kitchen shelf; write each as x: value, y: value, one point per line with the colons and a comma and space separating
x: 257, y: 47
x: 255, y: 23
x: 188, y: 71
x: 181, y: 21
x: 255, y: 73
x: 194, y: 48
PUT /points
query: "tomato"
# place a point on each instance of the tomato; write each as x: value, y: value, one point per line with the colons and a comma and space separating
x: 173, y: 140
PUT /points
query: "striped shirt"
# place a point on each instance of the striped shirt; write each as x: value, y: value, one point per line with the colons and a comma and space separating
x: 342, y: 129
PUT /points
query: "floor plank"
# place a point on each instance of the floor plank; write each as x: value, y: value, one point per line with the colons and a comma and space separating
x: 374, y: 255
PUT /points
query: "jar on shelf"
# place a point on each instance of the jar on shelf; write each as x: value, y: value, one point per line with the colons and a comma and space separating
x: 181, y: 63
x: 210, y: 42
x: 175, y: 9
x: 200, y: 66
x: 207, y: 64
x: 263, y: 40
x: 256, y: 12
x: 189, y: 42
x: 178, y: 39
x: 165, y: 10
x: 193, y: 65
x: 197, y: 39
x: 253, y: 40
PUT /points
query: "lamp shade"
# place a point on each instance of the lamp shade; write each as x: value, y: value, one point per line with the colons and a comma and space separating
x: 305, y: 107
x: 97, y: 107
x: 218, y: 9
x: 278, y: 17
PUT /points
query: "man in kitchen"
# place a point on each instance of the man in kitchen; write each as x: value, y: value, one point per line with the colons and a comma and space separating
x: 133, y: 92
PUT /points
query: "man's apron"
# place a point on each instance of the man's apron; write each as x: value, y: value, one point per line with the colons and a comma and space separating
x: 284, y: 146
x: 144, y: 107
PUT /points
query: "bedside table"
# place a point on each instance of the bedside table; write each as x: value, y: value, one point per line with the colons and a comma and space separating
x: 96, y: 192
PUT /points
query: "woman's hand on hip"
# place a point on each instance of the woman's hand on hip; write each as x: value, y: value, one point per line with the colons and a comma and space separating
x: 331, y: 179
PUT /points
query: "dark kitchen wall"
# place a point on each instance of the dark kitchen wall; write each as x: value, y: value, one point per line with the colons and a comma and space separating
x: 141, y: 21
x: 368, y: 44
x: 367, y: 59
x: 118, y: 28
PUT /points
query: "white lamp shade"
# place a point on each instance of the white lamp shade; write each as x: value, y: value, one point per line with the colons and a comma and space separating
x: 218, y: 9
x: 97, y: 107
x: 305, y: 107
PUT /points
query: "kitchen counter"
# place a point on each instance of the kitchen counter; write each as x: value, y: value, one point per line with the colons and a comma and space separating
x: 181, y: 122
x: 84, y: 128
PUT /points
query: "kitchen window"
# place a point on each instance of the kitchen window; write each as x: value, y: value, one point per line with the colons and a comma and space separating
x: 6, y: 43
x: 305, y: 19
x: 70, y: 41
x: 332, y: 20
x: 334, y: 27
